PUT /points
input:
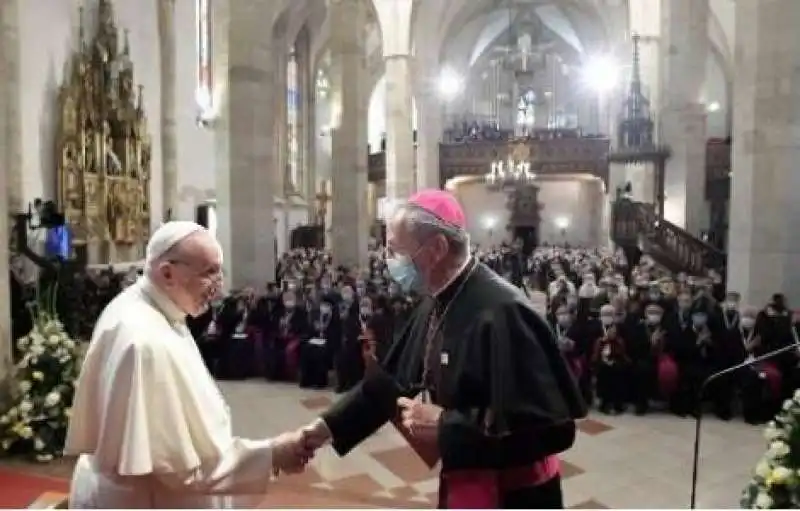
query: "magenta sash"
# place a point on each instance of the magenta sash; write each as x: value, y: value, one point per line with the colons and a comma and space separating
x: 577, y: 365
x: 256, y: 336
x: 484, y: 489
x: 773, y: 376
x: 668, y: 376
x: 292, y: 357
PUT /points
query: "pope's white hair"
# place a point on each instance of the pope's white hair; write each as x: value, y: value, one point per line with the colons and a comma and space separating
x: 423, y: 224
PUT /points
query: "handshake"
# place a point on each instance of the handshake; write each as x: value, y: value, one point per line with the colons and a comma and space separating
x: 292, y: 451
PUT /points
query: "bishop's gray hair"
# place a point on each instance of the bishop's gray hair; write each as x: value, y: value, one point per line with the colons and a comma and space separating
x: 422, y: 225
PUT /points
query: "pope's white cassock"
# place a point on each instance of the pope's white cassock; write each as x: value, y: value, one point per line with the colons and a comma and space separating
x: 149, y: 423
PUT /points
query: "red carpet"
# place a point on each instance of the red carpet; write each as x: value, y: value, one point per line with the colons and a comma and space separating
x: 19, y: 490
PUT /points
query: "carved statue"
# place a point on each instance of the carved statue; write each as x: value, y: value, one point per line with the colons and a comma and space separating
x: 103, y: 147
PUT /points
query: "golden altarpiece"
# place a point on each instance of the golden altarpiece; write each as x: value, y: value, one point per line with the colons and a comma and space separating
x: 104, y: 150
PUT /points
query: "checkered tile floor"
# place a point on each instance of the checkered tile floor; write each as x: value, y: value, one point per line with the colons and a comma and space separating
x: 618, y: 461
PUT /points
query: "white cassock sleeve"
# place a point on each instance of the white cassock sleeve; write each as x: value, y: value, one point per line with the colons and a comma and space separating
x: 146, y: 413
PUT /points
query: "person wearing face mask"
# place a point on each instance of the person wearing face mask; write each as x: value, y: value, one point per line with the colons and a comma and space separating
x: 760, y: 384
x: 283, y: 346
x: 349, y: 360
x: 730, y: 312
x: 349, y: 303
x: 572, y: 341
x: 361, y: 288
x: 654, y: 294
x: 698, y: 351
x: 142, y: 339
x: 484, y: 432
x: 238, y: 360
x: 325, y: 287
x: 680, y: 320
x: 611, y: 364
x: 644, y: 343
x: 323, y: 340
x: 789, y: 364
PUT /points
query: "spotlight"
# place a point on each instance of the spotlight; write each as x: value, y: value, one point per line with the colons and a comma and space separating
x: 450, y: 84
x: 601, y: 74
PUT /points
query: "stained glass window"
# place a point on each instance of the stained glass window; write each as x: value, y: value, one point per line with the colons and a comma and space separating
x: 204, y: 52
x: 293, y: 116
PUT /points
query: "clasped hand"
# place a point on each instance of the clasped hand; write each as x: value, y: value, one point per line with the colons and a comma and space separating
x: 420, y: 419
x: 292, y: 451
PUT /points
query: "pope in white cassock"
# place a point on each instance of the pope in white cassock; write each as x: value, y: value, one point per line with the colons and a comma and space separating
x: 149, y: 423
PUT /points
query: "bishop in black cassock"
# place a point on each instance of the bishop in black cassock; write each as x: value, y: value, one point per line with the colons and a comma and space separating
x: 475, y: 378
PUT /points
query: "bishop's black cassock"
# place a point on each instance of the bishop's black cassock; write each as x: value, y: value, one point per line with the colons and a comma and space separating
x: 509, y: 399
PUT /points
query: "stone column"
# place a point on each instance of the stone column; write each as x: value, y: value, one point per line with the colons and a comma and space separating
x: 169, y: 149
x: 430, y: 125
x: 305, y: 120
x: 348, y: 136
x: 10, y: 174
x: 246, y: 168
x: 6, y: 342
x: 400, y: 178
x: 10, y: 95
x: 684, y: 29
x: 764, y: 246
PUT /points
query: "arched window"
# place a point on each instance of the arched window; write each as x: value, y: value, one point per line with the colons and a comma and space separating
x: 205, y: 85
x: 293, y: 115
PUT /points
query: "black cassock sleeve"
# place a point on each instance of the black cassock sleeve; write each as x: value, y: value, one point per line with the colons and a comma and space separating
x: 534, y: 399
x: 363, y: 410
x: 373, y: 401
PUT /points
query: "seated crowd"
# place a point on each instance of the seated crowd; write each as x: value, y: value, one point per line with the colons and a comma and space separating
x: 635, y: 337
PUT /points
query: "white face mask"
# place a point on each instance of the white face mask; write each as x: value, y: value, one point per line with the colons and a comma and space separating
x: 607, y: 320
x: 654, y: 319
x: 748, y: 322
x: 563, y: 319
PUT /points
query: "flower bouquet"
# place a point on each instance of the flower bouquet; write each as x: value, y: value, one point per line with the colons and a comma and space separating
x: 776, y: 480
x: 42, y: 390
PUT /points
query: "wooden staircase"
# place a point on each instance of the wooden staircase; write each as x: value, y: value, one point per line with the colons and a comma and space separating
x: 636, y: 225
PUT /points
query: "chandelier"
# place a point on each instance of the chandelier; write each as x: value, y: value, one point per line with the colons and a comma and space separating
x: 509, y: 173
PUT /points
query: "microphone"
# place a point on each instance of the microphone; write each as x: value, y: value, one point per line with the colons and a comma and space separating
x: 700, y: 394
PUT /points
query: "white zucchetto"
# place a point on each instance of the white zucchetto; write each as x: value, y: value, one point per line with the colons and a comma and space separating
x: 168, y: 235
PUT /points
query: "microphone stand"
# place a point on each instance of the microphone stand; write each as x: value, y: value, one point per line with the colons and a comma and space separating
x: 701, y: 393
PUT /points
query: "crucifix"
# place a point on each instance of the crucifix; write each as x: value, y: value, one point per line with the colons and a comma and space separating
x: 322, y: 204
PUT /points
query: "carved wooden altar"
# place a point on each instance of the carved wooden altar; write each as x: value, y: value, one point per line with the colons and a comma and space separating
x: 104, y: 148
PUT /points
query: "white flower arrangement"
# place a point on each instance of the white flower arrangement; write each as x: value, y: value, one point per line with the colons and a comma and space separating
x: 36, y: 423
x: 776, y: 478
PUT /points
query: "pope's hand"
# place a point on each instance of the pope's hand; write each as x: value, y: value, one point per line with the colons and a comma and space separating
x: 420, y: 419
x: 290, y: 453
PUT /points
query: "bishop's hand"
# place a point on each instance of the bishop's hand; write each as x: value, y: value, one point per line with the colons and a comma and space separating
x: 290, y: 454
x: 315, y: 435
x: 420, y: 419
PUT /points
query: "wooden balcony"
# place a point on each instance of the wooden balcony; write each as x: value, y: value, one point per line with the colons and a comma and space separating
x: 555, y: 157
x: 549, y: 158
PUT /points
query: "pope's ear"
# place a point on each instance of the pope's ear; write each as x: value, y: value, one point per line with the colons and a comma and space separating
x: 165, y: 270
